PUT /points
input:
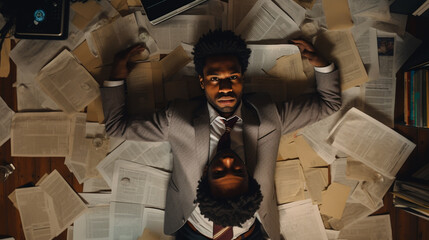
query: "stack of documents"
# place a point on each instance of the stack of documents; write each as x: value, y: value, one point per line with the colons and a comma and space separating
x: 413, y: 197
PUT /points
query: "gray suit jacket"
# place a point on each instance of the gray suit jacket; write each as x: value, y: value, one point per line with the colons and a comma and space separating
x: 185, y: 124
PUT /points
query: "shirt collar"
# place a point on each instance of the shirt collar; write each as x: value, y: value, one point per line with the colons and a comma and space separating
x: 214, y: 114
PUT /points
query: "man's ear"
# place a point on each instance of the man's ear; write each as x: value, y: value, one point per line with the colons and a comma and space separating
x: 201, y: 81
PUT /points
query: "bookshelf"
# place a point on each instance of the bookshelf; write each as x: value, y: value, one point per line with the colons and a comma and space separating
x: 405, y: 225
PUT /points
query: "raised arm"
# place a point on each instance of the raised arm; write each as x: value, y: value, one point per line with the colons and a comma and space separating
x: 310, y: 108
x: 153, y: 127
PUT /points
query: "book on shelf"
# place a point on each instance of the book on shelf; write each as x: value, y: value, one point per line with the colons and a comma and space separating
x: 412, y: 196
x: 416, y: 97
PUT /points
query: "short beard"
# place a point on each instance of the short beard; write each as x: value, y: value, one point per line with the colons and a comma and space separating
x: 228, y: 212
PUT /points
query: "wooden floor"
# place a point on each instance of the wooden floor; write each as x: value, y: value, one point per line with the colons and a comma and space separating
x: 404, y: 226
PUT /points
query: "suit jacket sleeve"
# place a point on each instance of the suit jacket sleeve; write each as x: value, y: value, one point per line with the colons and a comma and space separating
x: 153, y: 127
x: 310, y: 108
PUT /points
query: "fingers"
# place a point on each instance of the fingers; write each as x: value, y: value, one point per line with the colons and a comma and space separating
x: 307, y: 50
x: 308, y: 55
x: 125, y: 54
x: 138, y: 48
x: 303, y: 45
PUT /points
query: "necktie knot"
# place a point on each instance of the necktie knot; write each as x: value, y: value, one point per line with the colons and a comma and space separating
x: 225, y: 139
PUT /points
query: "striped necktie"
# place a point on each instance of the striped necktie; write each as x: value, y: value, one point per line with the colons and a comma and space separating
x: 225, y: 139
x: 222, y: 233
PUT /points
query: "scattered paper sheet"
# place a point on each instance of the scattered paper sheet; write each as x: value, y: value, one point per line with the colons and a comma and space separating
x: 293, y: 9
x: 35, y: 202
x: 301, y: 221
x: 353, y: 212
x: 153, y: 220
x: 6, y: 115
x: 289, y: 68
x: 307, y: 156
x: 216, y: 8
x: 126, y: 220
x: 182, y: 28
x: 332, y: 234
x: 95, y: 184
x: 306, y: 3
x: 316, y: 14
x: 289, y: 180
x: 266, y: 21
x: 375, y: 9
x: 136, y: 183
x: 337, y: 14
x: 86, y: 151
x: 371, y: 142
x: 174, y: 61
x: 48, y: 209
x: 68, y: 83
x: 237, y: 10
x: 287, y: 148
x: 316, y: 180
x: 338, y: 173
x: 372, y: 185
x: 29, y: 95
x: 94, y: 111
x: 67, y: 204
x: 84, y: 12
x: 149, y: 235
x: 70, y: 233
x: 263, y: 57
x: 94, y: 224
x: 93, y: 64
x: 46, y: 134
x: 115, y: 37
x: 373, y: 227
x: 317, y: 133
x: 366, y: 44
x: 334, y: 200
x: 121, y: 6
x: 339, y: 47
x: 97, y: 199
x: 404, y: 47
x: 379, y: 94
x: 31, y: 55
x: 154, y: 154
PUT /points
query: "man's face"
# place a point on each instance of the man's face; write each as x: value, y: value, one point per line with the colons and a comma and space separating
x: 222, y: 83
x: 227, y: 175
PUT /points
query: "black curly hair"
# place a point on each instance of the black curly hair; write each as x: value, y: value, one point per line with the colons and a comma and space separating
x: 217, y: 43
x: 228, y: 212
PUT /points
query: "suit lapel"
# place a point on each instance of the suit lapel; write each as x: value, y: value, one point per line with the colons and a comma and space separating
x: 250, y: 134
x: 201, y: 123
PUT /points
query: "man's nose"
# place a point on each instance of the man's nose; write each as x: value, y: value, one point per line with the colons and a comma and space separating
x: 225, y: 85
x: 228, y: 161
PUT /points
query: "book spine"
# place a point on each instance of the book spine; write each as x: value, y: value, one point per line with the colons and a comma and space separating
x: 427, y: 96
x: 412, y: 98
x: 418, y: 98
x: 407, y: 98
x: 424, y: 97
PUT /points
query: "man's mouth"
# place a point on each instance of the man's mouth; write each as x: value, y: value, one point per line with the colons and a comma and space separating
x: 226, y: 100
